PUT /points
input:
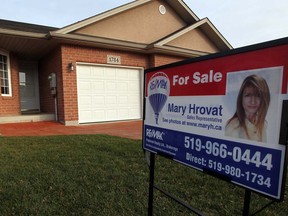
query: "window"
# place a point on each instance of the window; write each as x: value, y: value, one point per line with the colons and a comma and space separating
x: 5, y: 75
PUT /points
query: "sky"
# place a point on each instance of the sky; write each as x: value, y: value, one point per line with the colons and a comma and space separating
x: 241, y: 22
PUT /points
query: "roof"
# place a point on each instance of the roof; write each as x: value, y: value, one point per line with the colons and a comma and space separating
x: 206, y: 26
x: 178, y: 5
x: 26, y: 27
x: 37, y: 40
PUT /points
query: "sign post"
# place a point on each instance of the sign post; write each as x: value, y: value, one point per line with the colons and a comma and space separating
x: 151, y: 184
x: 223, y: 114
x: 247, y: 200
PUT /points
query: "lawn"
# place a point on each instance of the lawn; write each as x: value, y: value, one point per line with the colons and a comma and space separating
x: 104, y: 175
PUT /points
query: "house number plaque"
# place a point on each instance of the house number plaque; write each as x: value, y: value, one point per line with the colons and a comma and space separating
x: 113, y: 59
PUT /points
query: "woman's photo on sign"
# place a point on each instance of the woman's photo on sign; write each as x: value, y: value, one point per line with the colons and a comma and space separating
x: 253, y: 104
x: 248, y: 121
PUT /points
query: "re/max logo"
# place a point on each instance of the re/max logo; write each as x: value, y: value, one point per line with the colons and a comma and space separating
x: 158, y: 84
x: 151, y: 133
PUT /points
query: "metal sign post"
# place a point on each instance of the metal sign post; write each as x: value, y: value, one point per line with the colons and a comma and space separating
x: 247, y: 200
x: 151, y: 184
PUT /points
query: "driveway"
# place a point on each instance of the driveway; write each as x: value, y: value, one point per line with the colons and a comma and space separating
x: 129, y: 129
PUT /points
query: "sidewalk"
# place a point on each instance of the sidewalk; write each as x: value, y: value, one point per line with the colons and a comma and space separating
x: 129, y: 129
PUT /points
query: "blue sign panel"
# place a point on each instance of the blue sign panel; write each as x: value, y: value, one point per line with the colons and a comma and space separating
x: 255, y: 167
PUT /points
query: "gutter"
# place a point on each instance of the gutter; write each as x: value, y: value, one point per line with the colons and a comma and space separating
x: 22, y: 34
x: 175, y: 51
x: 102, y: 42
x: 123, y: 45
x: 105, y: 43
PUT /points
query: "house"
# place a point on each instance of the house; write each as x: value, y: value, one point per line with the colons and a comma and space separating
x: 92, y: 70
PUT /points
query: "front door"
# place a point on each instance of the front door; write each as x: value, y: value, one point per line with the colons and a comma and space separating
x: 29, y: 86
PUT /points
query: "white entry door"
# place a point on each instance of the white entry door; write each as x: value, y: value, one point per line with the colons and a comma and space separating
x: 29, y: 86
x: 108, y: 93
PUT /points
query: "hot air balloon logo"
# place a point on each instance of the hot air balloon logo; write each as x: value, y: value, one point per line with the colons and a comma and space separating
x: 158, y: 92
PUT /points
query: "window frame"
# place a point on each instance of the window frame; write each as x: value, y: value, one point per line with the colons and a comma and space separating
x: 6, y: 54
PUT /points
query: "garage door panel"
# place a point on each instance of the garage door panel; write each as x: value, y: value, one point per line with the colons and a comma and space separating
x: 122, y: 86
x: 134, y: 100
x: 85, y: 100
x: 96, y: 73
x: 109, y: 74
x: 86, y: 85
x: 98, y: 114
x: 111, y: 86
x: 135, y: 112
x: 134, y: 87
x: 133, y: 76
x: 111, y: 114
x: 108, y: 94
x: 98, y: 85
x: 85, y: 72
x: 84, y: 116
x: 122, y: 100
x: 123, y: 113
x: 98, y: 101
x: 121, y: 75
x: 110, y: 100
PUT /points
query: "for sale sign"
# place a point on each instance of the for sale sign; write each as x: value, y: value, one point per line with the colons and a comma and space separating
x: 222, y: 114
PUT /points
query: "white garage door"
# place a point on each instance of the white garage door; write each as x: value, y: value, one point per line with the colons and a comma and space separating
x: 108, y: 93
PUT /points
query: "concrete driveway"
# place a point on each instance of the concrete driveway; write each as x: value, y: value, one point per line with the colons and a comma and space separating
x: 129, y: 129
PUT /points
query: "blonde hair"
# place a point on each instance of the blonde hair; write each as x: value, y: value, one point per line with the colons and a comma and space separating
x: 262, y: 89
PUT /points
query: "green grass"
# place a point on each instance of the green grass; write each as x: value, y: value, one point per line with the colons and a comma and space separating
x: 105, y: 175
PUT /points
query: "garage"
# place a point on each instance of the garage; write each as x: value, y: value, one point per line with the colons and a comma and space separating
x: 108, y: 93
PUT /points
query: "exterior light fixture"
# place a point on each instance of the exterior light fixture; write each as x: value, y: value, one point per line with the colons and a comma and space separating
x: 71, y: 66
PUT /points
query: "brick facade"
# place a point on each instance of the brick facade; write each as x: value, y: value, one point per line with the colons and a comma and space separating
x: 50, y: 64
x: 58, y: 62
x: 160, y: 59
x: 10, y: 105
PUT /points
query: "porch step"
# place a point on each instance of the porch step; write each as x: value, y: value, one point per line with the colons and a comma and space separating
x: 27, y: 118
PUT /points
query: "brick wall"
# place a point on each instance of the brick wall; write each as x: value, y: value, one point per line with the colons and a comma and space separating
x: 160, y: 59
x: 10, y: 105
x: 58, y: 62
x: 50, y: 64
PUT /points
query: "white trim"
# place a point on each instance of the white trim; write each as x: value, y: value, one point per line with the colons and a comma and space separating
x: 108, y: 65
x: 218, y: 34
x: 9, y: 74
x: 188, y: 10
x: 180, y: 33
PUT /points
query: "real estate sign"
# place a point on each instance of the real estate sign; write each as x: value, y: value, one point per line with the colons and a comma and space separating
x: 222, y: 114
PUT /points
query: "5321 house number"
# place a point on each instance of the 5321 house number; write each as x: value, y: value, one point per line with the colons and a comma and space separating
x: 113, y: 59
